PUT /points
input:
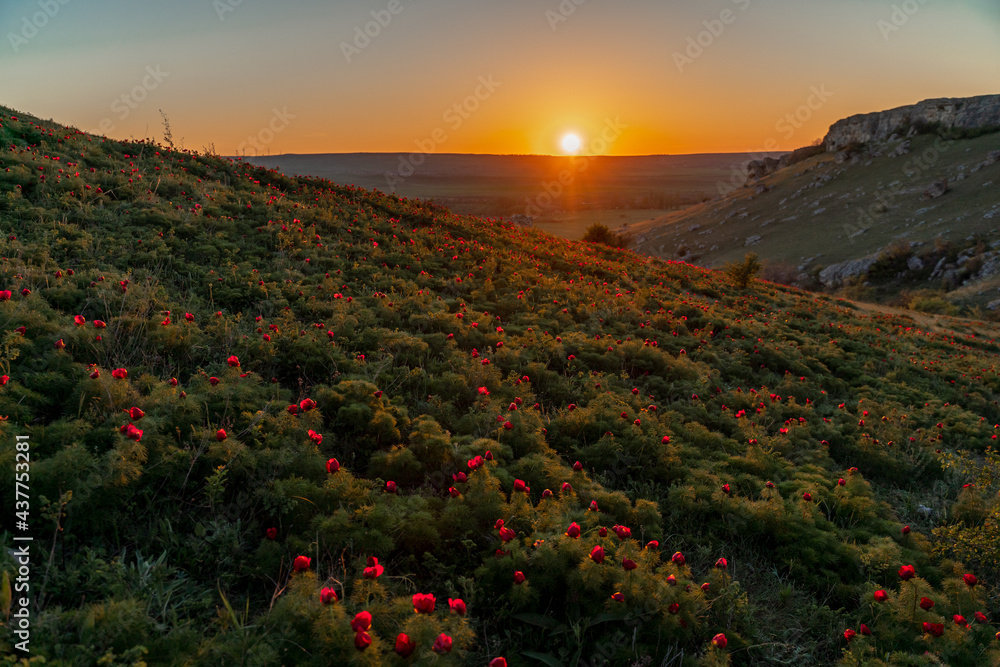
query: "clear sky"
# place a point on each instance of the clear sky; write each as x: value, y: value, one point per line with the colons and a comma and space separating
x: 488, y: 76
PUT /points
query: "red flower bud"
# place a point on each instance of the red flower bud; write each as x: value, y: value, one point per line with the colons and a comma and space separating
x: 405, y: 646
x: 442, y: 644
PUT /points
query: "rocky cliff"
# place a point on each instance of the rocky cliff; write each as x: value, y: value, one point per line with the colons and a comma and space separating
x: 962, y: 114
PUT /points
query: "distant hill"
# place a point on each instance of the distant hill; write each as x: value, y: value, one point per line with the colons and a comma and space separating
x: 533, y: 185
x: 905, y: 200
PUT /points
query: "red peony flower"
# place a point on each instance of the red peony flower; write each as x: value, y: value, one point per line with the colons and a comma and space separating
x: 173, y: 382
x: 970, y: 580
x: 374, y: 569
x: 849, y: 634
x: 99, y: 324
x: 332, y: 466
x: 457, y: 606
x: 807, y: 497
x: 597, y: 554
x: 362, y: 621
x: 189, y: 317
x: 301, y: 563
x: 865, y: 630
x: 934, y: 629
x: 307, y: 404
x: 906, y: 530
x: 272, y: 533
x: 881, y: 596
x: 719, y: 641
x: 135, y: 413
x: 317, y: 438
x: 841, y: 482
x: 60, y: 344
x: 213, y: 380
x: 602, y: 531
x: 577, y: 467
x: 622, y: 532
x: 220, y: 435
x: 405, y: 646
x: 519, y: 485
x: 960, y: 620
x: 926, y: 603
x: 678, y: 559
x: 673, y: 608
x: 233, y: 361
x: 907, y: 572
x: 519, y: 577
x: 705, y: 587
x: 79, y: 320
x: 442, y: 644
x: 573, y: 530
x: 566, y: 487
x: 390, y: 487
x: 981, y: 617
x: 423, y: 603
x: 499, y: 662
x: 328, y: 596
x: 629, y: 564
x: 722, y: 563
x: 292, y: 409
x: 4, y: 379
x: 362, y: 640
x: 618, y: 597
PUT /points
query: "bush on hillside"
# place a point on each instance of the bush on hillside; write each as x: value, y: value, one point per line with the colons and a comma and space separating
x: 741, y: 274
x: 598, y: 233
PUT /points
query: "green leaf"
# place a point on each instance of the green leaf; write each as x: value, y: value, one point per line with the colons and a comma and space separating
x: 547, y: 658
x: 538, y: 619
x: 605, y: 617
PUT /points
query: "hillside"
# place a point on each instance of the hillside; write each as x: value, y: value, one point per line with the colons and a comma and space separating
x: 278, y: 421
x: 864, y: 210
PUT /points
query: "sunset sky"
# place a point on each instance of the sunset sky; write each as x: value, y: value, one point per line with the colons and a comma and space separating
x: 480, y: 76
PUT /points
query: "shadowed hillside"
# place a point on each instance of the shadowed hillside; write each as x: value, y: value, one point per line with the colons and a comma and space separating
x: 913, y: 209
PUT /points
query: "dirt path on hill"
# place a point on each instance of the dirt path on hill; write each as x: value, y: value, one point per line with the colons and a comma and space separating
x: 945, y: 324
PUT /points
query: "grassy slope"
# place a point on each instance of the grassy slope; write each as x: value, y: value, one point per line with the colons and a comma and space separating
x: 385, y: 311
x: 813, y: 209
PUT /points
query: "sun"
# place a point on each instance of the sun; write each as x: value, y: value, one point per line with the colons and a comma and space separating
x: 571, y: 143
